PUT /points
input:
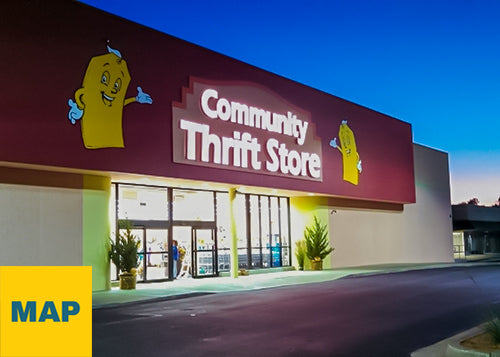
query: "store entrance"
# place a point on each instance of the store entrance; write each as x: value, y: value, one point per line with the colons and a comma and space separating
x: 187, y: 233
x: 196, y: 244
x: 153, y: 254
x: 204, y: 252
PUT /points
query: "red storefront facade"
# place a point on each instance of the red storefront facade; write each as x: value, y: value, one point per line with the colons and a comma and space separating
x: 86, y: 93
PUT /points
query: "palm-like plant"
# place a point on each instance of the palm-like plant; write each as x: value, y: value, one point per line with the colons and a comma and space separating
x: 123, y: 252
x: 493, y: 329
x: 317, y: 244
x: 300, y: 253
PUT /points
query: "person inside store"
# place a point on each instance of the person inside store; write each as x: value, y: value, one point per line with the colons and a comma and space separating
x: 175, y: 257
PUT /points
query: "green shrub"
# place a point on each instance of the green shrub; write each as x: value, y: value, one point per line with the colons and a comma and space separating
x: 493, y: 328
x: 316, y: 238
x: 300, y: 253
x: 123, y: 251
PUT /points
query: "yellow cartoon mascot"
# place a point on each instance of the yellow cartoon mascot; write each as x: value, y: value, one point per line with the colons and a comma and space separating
x: 100, y: 101
x: 350, y: 157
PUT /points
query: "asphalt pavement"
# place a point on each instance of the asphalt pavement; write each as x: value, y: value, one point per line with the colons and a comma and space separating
x: 367, y: 313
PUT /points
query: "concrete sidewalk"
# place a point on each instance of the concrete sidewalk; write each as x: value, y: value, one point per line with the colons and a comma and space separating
x: 186, y: 287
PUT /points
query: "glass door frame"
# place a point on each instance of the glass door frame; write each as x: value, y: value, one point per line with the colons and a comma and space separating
x: 195, y: 225
x: 167, y: 223
x: 195, y: 250
x: 144, y: 226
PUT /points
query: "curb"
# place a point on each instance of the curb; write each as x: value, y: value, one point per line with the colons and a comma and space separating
x: 451, y: 346
x: 152, y: 299
x: 141, y: 296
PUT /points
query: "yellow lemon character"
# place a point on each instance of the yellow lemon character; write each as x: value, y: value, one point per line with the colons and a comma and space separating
x: 100, y: 101
x: 350, y: 157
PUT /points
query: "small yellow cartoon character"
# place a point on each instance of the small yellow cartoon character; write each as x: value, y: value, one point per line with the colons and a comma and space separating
x: 350, y: 157
x: 100, y: 101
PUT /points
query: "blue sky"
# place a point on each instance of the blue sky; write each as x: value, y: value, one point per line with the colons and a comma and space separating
x: 434, y: 64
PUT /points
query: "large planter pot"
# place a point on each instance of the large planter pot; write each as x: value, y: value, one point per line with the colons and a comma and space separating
x: 127, y: 281
x: 316, y: 265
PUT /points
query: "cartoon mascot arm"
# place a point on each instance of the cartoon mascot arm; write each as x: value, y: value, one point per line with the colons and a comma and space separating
x: 333, y: 144
x: 76, y: 109
x: 140, y: 98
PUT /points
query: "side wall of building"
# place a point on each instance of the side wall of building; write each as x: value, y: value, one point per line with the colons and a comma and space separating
x: 421, y: 233
x: 40, y: 225
x: 55, y: 219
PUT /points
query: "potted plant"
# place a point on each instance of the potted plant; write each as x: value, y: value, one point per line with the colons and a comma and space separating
x: 123, y: 253
x: 317, y: 247
x: 300, y: 253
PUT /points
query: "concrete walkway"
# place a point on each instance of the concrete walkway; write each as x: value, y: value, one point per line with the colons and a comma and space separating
x: 186, y: 287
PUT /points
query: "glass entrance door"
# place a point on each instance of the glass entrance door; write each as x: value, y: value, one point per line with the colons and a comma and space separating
x: 152, y: 253
x: 204, y: 252
x: 156, y: 262
x: 197, y: 250
x: 182, y: 237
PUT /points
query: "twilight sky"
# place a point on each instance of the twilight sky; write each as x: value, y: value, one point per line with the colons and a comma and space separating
x: 434, y: 64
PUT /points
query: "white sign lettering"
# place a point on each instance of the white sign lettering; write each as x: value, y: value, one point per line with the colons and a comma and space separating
x: 254, y: 117
x: 215, y: 127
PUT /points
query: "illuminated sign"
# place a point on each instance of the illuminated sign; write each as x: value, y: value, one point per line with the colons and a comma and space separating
x: 244, y: 127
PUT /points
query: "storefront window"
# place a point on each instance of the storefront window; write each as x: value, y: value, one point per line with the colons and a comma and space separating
x: 275, y: 233
x: 255, y: 239
x: 112, y: 221
x: 191, y: 205
x: 285, y: 235
x: 142, y: 203
x: 265, y: 233
x: 241, y: 230
x: 223, y: 232
x: 262, y: 229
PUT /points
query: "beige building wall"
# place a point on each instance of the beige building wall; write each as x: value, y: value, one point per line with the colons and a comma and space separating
x: 40, y: 225
x: 420, y: 233
x: 55, y: 219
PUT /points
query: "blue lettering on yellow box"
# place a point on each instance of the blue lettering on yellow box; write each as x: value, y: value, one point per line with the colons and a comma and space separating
x: 49, y: 311
x: 49, y: 306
